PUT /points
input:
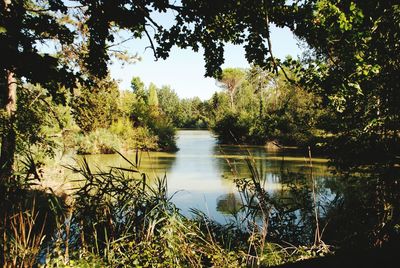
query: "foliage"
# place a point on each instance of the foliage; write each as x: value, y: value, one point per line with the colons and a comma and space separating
x: 230, y: 80
x: 126, y: 102
x: 167, y: 107
x: 22, y: 26
x: 231, y: 129
x: 28, y: 218
x: 100, y: 141
x: 352, y: 65
x: 165, y: 132
x: 153, y: 98
x: 122, y: 219
x: 40, y: 125
x: 268, y: 108
x: 132, y: 120
x: 169, y: 104
x: 146, y: 114
x: 134, y: 138
x: 96, y: 107
x: 354, y: 69
x: 193, y: 114
x: 137, y: 85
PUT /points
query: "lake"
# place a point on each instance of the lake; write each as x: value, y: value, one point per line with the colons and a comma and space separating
x: 201, y: 174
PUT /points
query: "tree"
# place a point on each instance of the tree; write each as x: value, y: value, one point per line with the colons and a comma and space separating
x: 169, y: 103
x: 24, y: 23
x: 230, y: 80
x: 356, y: 41
x: 9, y: 104
x: 21, y: 29
x: 96, y: 106
x: 137, y: 85
x: 355, y: 70
x: 153, y: 98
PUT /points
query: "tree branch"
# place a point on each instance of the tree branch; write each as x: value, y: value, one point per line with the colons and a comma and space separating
x: 120, y: 43
x: 269, y: 42
x: 151, y: 44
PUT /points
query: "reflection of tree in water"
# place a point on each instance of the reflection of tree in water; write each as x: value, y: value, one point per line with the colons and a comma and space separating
x: 229, y: 204
x: 160, y: 164
x: 231, y: 165
x: 353, y: 212
x: 365, y: 211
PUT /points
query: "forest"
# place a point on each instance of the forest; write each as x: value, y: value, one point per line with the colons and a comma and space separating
x: 338, y: 102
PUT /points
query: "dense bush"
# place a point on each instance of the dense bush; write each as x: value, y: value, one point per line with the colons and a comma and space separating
x: 271, y: 110
x: 100, y: 141
x: 96, y: 107
x: 165, y: 132
x: 231, y: 128
x: 134, y: 137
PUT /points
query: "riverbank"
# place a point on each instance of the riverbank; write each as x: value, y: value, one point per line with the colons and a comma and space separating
x: 222, y: 209
x: 201, y: 174
x: 89, y: 230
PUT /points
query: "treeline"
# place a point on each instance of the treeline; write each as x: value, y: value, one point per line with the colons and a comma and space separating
x: 254, y: 106
x: 181, y: 113
x: 258, y: 107
x: 96, y: 118
x: 99, y: 118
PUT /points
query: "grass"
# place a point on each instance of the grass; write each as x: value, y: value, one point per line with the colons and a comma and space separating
x: 120, y: 219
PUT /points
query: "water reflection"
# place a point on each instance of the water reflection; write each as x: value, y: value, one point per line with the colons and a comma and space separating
x: 202, y: 172
x: 154, y: 163
x: 352, y: 211
x: 229, y: 204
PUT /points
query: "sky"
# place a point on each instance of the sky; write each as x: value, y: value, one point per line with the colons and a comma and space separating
x: 184, y: 69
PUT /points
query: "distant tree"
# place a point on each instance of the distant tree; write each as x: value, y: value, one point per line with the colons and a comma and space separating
x: 268, y: 108
x: 153, y: 97
x: 126, y: 101
x: 136, y: 84
x: 230, y: 80
x: 169, y: 103
x: 219, y: 103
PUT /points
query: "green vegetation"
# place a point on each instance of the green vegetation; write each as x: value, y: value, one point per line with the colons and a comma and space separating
x: 94, y: 119
x: 265, y: 108
x: 341, y: 96
x: 122, y: 217
x: 183, y: 113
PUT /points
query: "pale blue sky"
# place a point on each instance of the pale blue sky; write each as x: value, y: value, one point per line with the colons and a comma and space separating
x: 184, y: 69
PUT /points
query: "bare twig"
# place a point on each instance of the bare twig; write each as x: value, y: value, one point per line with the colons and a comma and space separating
x: 120, y: 43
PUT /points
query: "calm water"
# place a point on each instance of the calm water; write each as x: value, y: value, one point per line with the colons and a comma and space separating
x: 353, y: 211
x: 200, y: 175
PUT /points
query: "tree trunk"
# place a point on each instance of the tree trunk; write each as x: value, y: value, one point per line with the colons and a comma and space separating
x: 8, y: 138
x: 231, y: 95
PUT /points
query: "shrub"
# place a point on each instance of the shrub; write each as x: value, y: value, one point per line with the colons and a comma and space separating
x: 166, y: 136
x: 134, y: 138
x: 100, y: 141
x: 165, y: 132
x: 232, y: 128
